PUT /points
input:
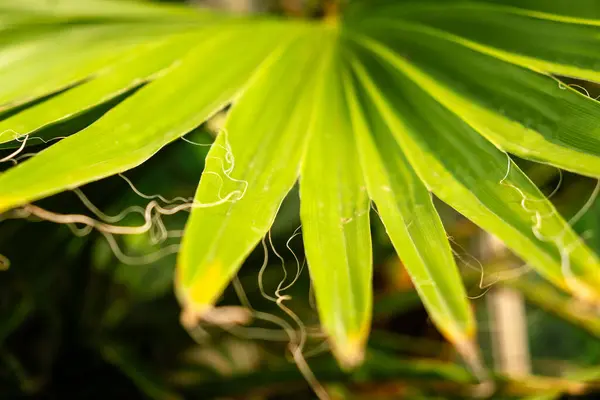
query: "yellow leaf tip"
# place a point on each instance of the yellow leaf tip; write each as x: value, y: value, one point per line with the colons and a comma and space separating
x: 351, y: 352
x: 204, y: 290
x: 199, y: 294
x: 5, y: 205
x: 221, y: 316
x: 584, y: 292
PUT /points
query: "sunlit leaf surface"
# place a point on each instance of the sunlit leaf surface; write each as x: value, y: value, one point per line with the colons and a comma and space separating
x: 383, y: 104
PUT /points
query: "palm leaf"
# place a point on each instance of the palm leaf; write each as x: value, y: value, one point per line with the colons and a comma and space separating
x: 407, y: 211
x: 110, y: 146
x: 568, y: 50
x: 146, y: 61
x: 387, y: 104
x: 480, y: 181
x: 520, y: 111
x: 335, y: 223
x: 249, y: 170
x: 52, y: 62
x: 110, y: 10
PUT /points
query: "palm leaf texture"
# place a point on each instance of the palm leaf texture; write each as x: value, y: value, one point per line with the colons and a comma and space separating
x: 385, y: 104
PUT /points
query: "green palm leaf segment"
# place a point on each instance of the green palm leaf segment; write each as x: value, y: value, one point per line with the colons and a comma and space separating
x: 389, y: 104
x: 515, y: 36
x: 250, y: 168
x: 405, y: 206
x: 145, y: 62
x: 154, y: 116
x: 525, y: 113
x: 335, y: 223
x: 32, y: 69
x: 112, y: 10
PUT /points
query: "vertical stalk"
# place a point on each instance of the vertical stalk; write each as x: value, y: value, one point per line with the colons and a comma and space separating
x: 508, y: 320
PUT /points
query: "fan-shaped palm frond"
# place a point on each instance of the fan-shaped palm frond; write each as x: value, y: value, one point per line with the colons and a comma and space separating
x: 387, y: 104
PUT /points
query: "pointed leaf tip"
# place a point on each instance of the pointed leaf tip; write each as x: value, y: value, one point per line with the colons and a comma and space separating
x: 200, y: 292
x: 351, y: 353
